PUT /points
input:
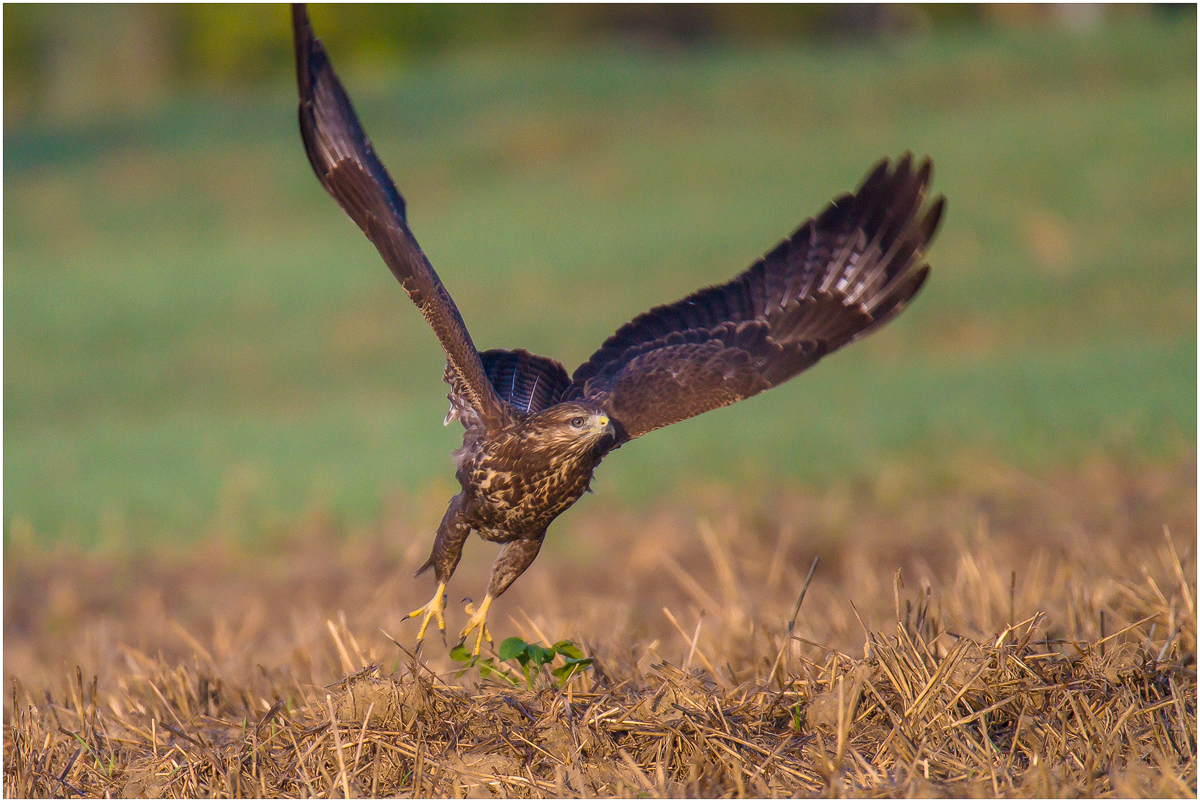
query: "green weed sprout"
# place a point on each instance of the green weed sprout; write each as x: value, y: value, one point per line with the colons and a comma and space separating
x: 530, y: 658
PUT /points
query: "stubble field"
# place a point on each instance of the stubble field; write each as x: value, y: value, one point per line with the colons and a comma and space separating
x: 1009, y: 636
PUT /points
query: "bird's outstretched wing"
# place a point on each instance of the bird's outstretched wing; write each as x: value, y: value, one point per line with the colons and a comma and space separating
x: 837, y: 278
x: 344, y: 161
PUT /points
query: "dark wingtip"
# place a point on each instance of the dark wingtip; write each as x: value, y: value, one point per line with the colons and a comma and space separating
x: 877, y: 175
x: 921, y: 275
x: 308, y: 50
x: 933, y: 218
x: 302, y: 36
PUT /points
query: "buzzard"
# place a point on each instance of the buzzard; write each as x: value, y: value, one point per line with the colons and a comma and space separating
x: 534, y: 433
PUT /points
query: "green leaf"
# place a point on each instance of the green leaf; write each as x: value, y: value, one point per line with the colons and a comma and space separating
x: 568, y: 649
x: 582, y: 662
x: 512, y: 647
x: 460, y: 654
x: 540, y: 654
x: 571, y: 668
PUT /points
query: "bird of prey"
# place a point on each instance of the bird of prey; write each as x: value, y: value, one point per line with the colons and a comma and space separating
x: 534, y: 433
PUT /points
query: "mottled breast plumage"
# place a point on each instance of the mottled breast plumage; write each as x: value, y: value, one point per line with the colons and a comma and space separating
x: 521, y: 478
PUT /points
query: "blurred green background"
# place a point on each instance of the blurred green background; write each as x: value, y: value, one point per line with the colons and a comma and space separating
x: 191, y: 324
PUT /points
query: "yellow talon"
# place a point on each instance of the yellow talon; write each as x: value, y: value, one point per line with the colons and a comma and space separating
x: 432, y: 610
x: 478, y: 620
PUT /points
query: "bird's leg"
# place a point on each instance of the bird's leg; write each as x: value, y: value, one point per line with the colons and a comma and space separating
x: 447, y: 549
x: 478, y: 620
x: 512, y: 561
x: 432, y: 610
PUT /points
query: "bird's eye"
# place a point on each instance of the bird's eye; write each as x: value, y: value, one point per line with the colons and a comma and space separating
x: 577, y: 423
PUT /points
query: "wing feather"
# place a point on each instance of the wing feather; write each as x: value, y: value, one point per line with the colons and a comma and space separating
x: 836, y: 279
x: 343, y: 159
x: 529, y: 383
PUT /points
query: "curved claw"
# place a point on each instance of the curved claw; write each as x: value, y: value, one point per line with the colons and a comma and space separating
x: 478, y: 621
x: 432, y: 610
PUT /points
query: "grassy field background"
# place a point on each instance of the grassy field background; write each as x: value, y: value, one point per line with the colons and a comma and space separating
x: 190, y: 323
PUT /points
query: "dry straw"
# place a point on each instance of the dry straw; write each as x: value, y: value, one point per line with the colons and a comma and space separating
x: 1026, y: 658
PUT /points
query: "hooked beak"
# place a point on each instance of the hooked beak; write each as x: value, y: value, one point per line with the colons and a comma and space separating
x: 608, y: 434
x: 602, y: 432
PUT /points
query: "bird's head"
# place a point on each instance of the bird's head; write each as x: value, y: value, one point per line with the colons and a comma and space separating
x: 575, y: 428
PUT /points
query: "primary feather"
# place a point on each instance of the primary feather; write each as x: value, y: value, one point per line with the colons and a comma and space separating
x: 342, y: 157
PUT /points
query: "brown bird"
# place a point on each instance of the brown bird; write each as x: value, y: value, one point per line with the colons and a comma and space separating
x: 535, y: 434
